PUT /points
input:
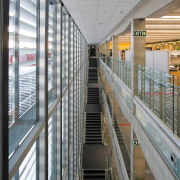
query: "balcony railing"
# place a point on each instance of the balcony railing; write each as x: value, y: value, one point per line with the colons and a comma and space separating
x: 158, y: 90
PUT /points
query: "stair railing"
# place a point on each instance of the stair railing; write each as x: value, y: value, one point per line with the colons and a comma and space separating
x: 84, y: 132
x: 82, y: 174
x: 104, y: 135
x: 102, y: 128
x: 108, y: 171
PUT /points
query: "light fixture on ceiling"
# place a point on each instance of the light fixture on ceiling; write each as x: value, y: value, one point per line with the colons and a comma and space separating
x: 120, y: 12
x: 162, y: 19
x: 162, y: 25
x: 172, y: 17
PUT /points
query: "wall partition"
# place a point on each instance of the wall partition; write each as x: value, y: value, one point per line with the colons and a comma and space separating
x: 43, y: 62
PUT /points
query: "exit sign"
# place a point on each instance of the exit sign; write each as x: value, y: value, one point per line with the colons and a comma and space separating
x: 139, y: 33
x: 136, y: 143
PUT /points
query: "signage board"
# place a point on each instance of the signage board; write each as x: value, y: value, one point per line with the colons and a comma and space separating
x: 139, y: 33
x: 135, y: 142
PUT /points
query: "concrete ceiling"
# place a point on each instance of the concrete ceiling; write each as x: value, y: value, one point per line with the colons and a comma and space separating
x: 166, y: 28
x: 96, y: 18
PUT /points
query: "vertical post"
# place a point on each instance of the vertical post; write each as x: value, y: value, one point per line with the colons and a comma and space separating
x: 107, y: 49
x: 69, y: 91
x: 115, y: 47
x: 152, y: 90
x: 16, y: 64
x: 138, y: 57
x: 59, y: 71
x: 43, y: 88
x: 163, y: 103
x: 4, y: 53
x: 37, y: 85
x: 173, y: 105
x: 178, y: 107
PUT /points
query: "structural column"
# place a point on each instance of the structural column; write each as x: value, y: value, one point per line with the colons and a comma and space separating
x: 115, y: 47
x: 115, y: 52
x: 107, y: 50
x: 138, y: 57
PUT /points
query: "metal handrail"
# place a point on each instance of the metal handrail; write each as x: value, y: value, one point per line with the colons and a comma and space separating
x: 119, y: 159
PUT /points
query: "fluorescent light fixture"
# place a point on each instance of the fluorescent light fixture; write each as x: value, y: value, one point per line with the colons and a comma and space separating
x: 163, y: 25
x: 163, y: 31
x: 162, y: 19
x: 172, y: 17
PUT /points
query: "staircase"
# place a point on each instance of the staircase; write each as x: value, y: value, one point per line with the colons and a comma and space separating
x: 92, y: 52
x: 92, y: 170
x: 122, y: 146
x: 93, y: 78
x: 93, y: 128
x: 94, y: 174
x: 93, y: 96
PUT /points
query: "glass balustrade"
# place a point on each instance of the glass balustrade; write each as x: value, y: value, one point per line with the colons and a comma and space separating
x: 160, y: 92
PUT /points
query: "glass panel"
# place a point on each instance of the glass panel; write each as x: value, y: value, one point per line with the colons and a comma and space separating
x: 64, y: 132
x: 27, y: 169
x: 71, y: 88
x: 23, y: 74
x: 52, y: 143
x: 160, y: 142
x: 65, y: 36
x: 159, y: 91
x: 52, y: 48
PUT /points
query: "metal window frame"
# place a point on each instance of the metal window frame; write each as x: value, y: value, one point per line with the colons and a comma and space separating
x: 4, y: 53
x: 39, y: 132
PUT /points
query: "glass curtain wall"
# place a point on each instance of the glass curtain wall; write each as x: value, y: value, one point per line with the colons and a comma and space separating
x: 23, y: 71
x: 52, y: 52
x: 65, y: 83
x: 47, y: 73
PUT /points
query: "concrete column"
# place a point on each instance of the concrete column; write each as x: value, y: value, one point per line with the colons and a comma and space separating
x: 138, y: 57
x: 115, y: 51
x: 137, y: 51
x: 139, y: 163
x: 115, y: 47
x: 107, y: 48
x: 104, y: 48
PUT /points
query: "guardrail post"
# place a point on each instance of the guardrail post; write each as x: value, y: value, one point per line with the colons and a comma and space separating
x: 178, y: 107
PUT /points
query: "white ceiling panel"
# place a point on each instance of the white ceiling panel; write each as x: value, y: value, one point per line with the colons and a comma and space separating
x: 96, y: 18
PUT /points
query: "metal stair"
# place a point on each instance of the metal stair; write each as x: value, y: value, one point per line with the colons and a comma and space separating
x: 94, y: 174
x: 93, y: 128
x: 93, y: 96
x: 122, y: 146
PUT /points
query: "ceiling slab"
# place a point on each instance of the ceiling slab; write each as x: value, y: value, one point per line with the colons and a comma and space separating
x: 96, y: 18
